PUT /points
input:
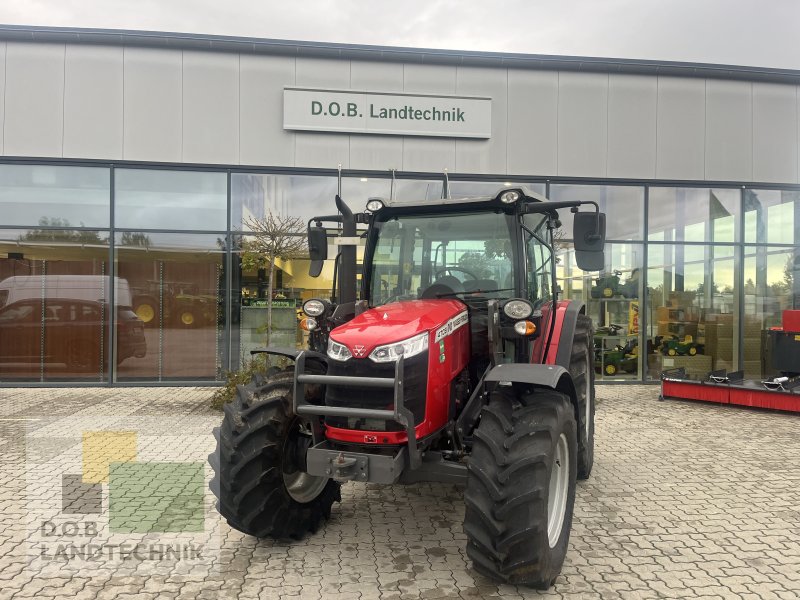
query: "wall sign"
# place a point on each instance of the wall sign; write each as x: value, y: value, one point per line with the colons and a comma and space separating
x: 307, y: 109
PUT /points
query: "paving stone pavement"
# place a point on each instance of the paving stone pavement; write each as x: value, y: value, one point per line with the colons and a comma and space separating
x: 686, y: 500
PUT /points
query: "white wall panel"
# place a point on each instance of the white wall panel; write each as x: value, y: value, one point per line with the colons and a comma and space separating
x: 485, y: 156
x: 681, y: 127
x: 582, y: 124
x: 775, y: 133
x: 153, y: 108
x: 2, y: 92
x: 533, y: 119
x: 34, y: 99
x: 210, y: 107
x: 729, y: 130
x: 427, y: 154
x: 263, y: 140
x: 373, y: 151
x: 324, y: 150
x: 632, y: 126
x: 93, y: 102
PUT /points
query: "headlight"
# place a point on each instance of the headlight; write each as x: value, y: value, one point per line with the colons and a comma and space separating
x: 509, y: 197
x: 338, y: 351
x: 314, y: 307
x: 518, y: 309
x: 374, y: 205
x: 408, y: 348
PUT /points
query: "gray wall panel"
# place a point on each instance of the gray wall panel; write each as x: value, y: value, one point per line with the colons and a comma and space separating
x: 34, y: 100
x: 428, y: 154
x: 533, y: 113
x: 729, y: 130
x: 262, y: 139
x: 210, y: 108
x: 372, y: 151
x: 582, y: 124
x: 153, y: 110
x: 324, y: 150
x: 775, y: 151
x: 93, y: 102
x: 485, y: 156
x: 681, y: 127
x: 2, y: 92
x: 632, y: 126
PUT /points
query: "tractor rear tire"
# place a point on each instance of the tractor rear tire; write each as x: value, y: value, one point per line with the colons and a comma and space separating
x: 258, y: 476
x: 521, y: 487
x: 581, y: 368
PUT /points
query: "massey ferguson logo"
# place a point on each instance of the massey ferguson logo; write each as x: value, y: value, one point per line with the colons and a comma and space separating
x: 359, y: 350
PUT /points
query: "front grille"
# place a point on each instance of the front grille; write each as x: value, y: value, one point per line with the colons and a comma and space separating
x: 414, y: 391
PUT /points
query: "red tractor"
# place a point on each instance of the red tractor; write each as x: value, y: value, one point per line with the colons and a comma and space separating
x: 458, y: 364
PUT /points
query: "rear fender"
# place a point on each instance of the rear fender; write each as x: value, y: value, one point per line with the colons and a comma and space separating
x: 554, y: 377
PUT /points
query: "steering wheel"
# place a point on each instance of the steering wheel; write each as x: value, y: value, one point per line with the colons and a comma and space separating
x: 449, y: 270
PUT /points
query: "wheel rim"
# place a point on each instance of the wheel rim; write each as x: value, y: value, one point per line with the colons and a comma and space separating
x: 611, y: 369
x: 300, y: 486
x: 671, y: 352
x: 187, y: 318
x: 558, y: 491
x: 692, y: 351
x: 145, y: 312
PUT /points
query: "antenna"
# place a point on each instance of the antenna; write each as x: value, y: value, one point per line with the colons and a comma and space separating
x: 391, y: 189
x: 446, y: 191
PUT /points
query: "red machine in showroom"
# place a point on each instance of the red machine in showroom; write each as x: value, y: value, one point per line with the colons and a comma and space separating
x: 781, y: 392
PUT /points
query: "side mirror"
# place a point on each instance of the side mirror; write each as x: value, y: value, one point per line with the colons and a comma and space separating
x: 317, y: 249
x: 589, y: 236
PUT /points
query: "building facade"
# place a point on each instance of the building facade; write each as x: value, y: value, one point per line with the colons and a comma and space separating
x: 133, y: 163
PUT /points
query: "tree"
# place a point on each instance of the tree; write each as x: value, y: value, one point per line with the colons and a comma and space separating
x: 75, y: 236
x: 272, y: 237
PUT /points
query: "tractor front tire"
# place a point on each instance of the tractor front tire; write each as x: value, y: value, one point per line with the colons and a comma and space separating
x: 521, y: 487
x: 259, y: 481
x: 581, y: 368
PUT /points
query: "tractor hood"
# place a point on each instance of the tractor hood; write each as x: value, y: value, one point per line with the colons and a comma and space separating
x: 396, y: 322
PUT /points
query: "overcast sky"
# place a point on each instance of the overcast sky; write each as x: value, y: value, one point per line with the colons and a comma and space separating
x: 738, y: 32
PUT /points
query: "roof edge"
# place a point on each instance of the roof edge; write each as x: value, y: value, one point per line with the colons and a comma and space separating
x: 252, y: 45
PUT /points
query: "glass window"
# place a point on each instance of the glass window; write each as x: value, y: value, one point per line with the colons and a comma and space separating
x: 150, y: 199
x: 623, y: 205
x: 54, y: 305
x: 171, y: 294
x: 771, y: 285
x: 612, y: 301
x: 692, y: 309
x: 466, y: 189
x: 424, y: 256
x: 539, y: 260
x: 693, y: 215
x: 772, y: 216
x: 54, y: 196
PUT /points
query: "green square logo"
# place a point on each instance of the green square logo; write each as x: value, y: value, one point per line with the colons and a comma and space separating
x: 155, y: 497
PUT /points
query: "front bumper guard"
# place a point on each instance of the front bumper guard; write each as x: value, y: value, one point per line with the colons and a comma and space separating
x: 324, y: 460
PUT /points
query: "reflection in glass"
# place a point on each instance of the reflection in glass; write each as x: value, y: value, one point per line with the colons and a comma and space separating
x: 55, y: 306
x: 772, y: 216
x: 466, y: 189
x: 623, y: 205
x: 150, y: 199
x: 692, y: 309
x: 612, y: 299
x: 693, y: 215
x: 54, y: 196
x: 307, y: 196
x: 771, y: 285
x: 176, y: 289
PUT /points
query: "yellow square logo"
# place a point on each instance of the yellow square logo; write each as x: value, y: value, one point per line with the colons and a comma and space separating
x: 101, y: 448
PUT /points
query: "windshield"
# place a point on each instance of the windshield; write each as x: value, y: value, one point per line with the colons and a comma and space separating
x: 458, y: 255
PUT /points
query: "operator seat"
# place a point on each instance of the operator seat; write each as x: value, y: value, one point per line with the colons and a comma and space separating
x: 444, y: 285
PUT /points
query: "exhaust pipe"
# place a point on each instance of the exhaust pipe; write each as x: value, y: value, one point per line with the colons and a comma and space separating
x: 347, y: 267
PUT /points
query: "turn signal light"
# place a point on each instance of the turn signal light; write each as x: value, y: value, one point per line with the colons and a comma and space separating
x: 525, y: 327
x: 308, y: 324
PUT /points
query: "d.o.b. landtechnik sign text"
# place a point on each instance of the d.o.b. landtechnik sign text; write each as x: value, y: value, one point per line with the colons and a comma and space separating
x: 382, y: 113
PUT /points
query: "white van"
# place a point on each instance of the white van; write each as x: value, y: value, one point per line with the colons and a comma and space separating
x: 90, y: 288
